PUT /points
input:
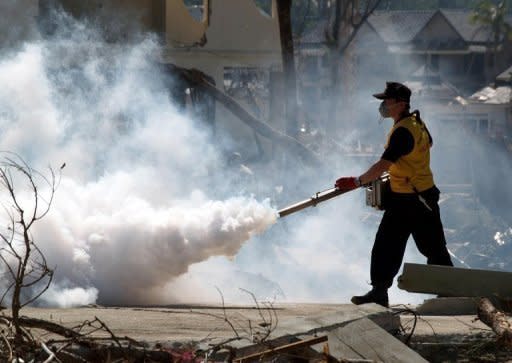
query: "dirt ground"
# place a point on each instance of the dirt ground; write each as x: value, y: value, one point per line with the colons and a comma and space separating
x: 464, y: 339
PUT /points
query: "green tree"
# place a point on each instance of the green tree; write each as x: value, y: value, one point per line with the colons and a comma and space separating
x: 492, y: 15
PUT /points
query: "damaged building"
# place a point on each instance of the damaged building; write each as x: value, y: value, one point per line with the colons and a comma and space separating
x: 234, y: 43
x: 443, y: 55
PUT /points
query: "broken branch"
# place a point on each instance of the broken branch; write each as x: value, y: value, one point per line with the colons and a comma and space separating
x: 496, y: 320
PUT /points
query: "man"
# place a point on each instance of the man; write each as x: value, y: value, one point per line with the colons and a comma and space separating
x: 412, y: 206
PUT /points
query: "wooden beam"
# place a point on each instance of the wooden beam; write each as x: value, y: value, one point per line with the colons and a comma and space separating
x: 158, y: 21
x: 454, y: 281
x: 282, y: 349
x: 262, y: 128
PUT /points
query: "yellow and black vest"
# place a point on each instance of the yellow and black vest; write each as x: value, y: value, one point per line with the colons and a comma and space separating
x: 411, y: 173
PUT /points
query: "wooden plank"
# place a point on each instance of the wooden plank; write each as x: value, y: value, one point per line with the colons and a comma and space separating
x: 370, y: 341
x: 340, y: 350
x: 454, y: 282
x: 282, y: 349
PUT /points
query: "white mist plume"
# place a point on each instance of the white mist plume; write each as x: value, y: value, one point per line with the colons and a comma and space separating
x: 132, y: 211
x: 129, y: 249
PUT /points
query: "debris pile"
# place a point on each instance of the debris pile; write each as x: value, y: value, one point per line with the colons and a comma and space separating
x: 477, y: 236
x: 312, y: 333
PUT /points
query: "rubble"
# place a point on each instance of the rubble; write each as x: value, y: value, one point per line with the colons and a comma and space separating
x: 298, y: 332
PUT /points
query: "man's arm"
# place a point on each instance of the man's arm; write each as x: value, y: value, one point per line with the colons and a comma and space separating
x: 375, y: 171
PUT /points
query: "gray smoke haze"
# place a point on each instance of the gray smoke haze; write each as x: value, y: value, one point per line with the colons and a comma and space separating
x: 149, y: 210
x: 17, y: 23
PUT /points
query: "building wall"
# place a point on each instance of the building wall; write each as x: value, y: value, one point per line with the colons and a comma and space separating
x: 234, y: 34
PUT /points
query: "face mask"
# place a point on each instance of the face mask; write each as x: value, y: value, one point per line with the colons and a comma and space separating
x: 383, y: 109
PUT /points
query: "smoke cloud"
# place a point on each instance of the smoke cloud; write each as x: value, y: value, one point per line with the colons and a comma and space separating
x: 134, y: 207
x: 129, y: 249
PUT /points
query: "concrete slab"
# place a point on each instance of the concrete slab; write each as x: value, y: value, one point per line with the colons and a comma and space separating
x: 443, y: 328
x: 207, y: 323
x: 455, y: 282
x: 449, y: 306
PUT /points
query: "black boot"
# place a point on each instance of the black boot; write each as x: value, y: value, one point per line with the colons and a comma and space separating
x: 378, y: 295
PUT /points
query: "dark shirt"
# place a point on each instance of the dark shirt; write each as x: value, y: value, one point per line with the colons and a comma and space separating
x: 400, y: 143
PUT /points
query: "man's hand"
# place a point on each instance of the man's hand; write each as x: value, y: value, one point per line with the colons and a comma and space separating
x: 347, y: 183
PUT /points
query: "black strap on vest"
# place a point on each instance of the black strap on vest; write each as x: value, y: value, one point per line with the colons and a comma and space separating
x: 416, y: 114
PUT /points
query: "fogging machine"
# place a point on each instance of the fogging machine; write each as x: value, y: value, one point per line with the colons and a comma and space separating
x: 375, y: 195
x: 311, y: 202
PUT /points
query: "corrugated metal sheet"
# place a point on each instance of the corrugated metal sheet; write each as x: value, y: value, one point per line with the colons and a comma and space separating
x: 506, y: 75
x: 490, y: 95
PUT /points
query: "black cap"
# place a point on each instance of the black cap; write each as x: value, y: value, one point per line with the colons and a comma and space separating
x: 395, y: 90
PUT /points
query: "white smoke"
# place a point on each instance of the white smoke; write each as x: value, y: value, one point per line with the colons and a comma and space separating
x: 128, y: 248
x: 133, y: 209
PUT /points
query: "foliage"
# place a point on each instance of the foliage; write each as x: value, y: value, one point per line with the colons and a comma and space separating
x: 493, y: 15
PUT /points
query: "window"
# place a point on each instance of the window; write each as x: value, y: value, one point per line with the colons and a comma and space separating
x: 434, y: 62
x: 483, y: 126
x: 195, y: 8
x: 251, y: 85
x: 265, y: 6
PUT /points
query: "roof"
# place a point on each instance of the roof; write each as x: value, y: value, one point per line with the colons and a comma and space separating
x: 425, y: 71
x: 399, y: 26
x: 506, y: 75
x: 490, y: 95
x: 402, y: 26
x: 468, y: 30
x: 426, y: 82
x: 439, y: 90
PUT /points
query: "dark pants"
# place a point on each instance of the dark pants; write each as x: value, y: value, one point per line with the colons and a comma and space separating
x: 405, y: 215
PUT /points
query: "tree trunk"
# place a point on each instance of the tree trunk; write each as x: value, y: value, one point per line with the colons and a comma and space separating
x: 339, y: 89
x: 349, y: 16
x: 496, y: 320
x: 285, y: 30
